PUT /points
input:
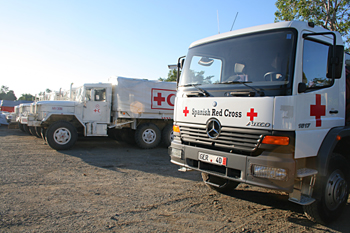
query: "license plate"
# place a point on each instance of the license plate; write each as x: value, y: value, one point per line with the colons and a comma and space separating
x: 218, y: 160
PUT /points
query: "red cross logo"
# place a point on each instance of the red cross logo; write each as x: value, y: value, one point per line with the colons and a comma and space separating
x: 318, y: 110
x: 159, y: 99
x: 186, y: 111
x: 252, y: 114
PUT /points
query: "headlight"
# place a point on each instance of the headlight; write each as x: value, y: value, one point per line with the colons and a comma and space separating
x: 175, y: 152
x: 269, y: 172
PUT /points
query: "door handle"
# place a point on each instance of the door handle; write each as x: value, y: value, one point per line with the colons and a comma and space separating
x: 333, y: 111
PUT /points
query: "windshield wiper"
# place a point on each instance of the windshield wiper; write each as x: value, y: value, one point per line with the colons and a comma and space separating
x: 202, y: 91
x: 261, y: 93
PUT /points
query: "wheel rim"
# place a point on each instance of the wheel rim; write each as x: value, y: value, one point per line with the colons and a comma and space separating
x: 62, y: 136
x: 149, y: 136
x: 336, y: 190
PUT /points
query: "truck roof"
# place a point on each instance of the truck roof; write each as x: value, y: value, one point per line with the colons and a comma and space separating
x: 299, y: 25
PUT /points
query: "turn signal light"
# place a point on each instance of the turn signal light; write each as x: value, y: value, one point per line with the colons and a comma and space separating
x: 276, y: 140
x: 176, y: 129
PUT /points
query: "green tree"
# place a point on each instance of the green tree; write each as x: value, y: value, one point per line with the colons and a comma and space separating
x: 333, y: 15
x: 172, y: 76
x: 27, y: 97
x: 6, y: 94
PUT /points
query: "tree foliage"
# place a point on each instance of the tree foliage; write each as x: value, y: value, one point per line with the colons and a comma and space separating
x: 6, y: 94
x: 333, y: 15
x: 29, y: 97
x: 172, y: 76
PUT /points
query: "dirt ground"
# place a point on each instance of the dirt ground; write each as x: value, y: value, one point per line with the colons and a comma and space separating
x: 102, y: 185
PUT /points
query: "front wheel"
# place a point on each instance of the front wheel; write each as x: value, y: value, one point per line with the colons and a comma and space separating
x: 26, y: 129
x: 147, y: 136
x: 61, y: 135
x: 335, y: 192
x: 20, y: 126
x: 219, y: 184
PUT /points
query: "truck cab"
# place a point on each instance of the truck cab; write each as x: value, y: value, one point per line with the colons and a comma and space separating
x: 260, y: 106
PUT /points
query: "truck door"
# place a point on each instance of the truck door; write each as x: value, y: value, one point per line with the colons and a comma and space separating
x: 97, y: 106
x: 321, y: 106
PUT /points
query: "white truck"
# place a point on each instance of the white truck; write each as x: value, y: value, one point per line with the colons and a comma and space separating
x: 143, y: 107
x: 22, y: 118
x: 268, y: 106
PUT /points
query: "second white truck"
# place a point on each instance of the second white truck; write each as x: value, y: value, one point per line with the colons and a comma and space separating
x: 138, y: 108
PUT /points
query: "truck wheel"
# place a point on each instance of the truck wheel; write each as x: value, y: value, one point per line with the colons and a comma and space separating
x: 26, y: 129
x: 37, y: 132
x: 32, y: 130
x: 167, y: 135
x: 335, y: 192
x: 221, y: 185
x: 20, y: 126
x: 43, y: 133
x: 61, y: 135
x: 147, y: 136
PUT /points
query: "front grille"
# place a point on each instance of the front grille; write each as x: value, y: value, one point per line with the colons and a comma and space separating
x: 230, y: 138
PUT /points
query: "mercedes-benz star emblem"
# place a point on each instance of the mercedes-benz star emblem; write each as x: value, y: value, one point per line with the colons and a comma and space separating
x: 215, y: 104
x: 213, y: 128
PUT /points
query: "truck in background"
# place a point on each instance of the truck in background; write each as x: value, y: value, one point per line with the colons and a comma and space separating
x: 138, y: 108
x: 268, y: 106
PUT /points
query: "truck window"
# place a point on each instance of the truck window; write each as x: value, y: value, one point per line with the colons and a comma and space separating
x: 88, y: 94
x: 205, y: 70
x: 100, y: 94
x: 315, y: 65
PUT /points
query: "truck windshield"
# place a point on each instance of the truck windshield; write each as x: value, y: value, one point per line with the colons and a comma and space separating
x: 264, y: 60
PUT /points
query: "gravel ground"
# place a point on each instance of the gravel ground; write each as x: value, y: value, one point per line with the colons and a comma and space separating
x: 102, y: 185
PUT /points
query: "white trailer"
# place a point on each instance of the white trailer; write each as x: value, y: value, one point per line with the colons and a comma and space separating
x: 138, y: 108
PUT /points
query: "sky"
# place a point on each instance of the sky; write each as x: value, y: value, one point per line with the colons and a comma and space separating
x: 53, y: 43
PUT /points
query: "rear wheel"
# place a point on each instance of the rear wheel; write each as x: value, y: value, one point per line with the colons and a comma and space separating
x: 61, y: 135
x: 335, y: 192
x: 167, y: 135
x: 219, y: 184
x: 147, y: 136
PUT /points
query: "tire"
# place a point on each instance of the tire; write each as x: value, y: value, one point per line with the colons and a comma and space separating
x: 335, y: 192
x: 61, y: 135
x: 43, y: 133
x: 224, y: 185
x: 20, y: 126
x: 26, y: 129
x: 147, y: 136
x: 32, y: 130
x: 37, y: 132
x: 167, y: 135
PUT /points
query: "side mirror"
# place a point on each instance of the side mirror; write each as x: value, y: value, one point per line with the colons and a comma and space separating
x: 335, y: 61
x: 301, y: 87
x: 180, y: 65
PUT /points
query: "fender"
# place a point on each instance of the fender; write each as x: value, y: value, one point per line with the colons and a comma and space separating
x: 70, y: 114
x: 327, y: 147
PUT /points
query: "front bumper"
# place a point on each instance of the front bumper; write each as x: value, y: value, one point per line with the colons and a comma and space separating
x: 238, y: 167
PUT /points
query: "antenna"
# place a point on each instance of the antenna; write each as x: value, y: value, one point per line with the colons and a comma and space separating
x: 234, y: 21
x: 217, y: 14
